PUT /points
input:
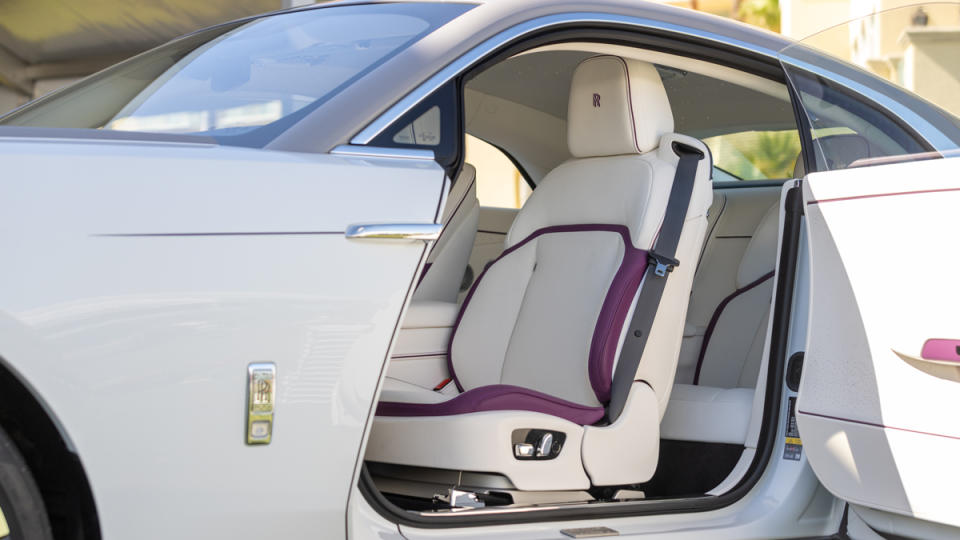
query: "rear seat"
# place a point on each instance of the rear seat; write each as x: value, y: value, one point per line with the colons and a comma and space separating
x: 443, y: 273
x: 717, y: 406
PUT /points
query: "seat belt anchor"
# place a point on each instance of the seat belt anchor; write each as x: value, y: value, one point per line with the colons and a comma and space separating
x: 662, y: 263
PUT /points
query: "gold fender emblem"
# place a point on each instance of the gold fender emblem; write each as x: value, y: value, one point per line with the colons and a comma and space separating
x: 261, y: 396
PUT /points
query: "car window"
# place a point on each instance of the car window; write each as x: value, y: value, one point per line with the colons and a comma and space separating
x: 499, y: 182
x: 238, y: 79
x: 895, y: 90
x: 756, y: 155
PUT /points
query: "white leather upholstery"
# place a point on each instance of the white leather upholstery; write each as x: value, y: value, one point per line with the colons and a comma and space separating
x: 405, y: 392
x: 733, y: 352
x: 480, y: 442
x: 617, y: 106
x: 531, y: 318
x: 707, y: 414
x: 420, y: 354
x: 449, y: 255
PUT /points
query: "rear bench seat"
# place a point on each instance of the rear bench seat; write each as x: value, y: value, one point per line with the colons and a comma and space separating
x: 717, y: 406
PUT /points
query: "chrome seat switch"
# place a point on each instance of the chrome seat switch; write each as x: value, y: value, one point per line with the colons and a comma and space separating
x: 523, y: 450
x: 545, y: 445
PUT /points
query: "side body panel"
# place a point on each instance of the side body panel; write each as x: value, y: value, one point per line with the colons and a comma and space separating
x: 139, y: 282
x: 879, y: 420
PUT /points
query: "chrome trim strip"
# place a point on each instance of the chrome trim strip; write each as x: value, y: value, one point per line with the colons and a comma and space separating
x: 378, y: 151
x: 925, y: 129
x: 394, y: 231
x: 469, y: 59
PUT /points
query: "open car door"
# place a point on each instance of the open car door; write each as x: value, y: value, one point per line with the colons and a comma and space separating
x: 878, y: 401
x: 880, y: 393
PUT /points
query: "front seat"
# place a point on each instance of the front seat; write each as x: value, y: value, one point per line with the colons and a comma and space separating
x: 538, y: 335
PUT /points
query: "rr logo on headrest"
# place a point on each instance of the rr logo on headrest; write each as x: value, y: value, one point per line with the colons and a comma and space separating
x: 596, y: 100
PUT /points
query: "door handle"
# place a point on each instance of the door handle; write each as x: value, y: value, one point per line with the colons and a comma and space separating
x: 938, y: 351
x: 394, y: 231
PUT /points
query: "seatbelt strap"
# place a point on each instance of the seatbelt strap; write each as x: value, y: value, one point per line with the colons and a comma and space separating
x: 661, y: 261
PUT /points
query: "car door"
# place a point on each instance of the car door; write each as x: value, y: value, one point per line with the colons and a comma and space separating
x: 881, y: 382
x: 143, y: 279
x: 880, y: 388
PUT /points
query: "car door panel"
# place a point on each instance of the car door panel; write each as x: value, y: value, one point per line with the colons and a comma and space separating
x: 140, y: 282
x: 879, y: 426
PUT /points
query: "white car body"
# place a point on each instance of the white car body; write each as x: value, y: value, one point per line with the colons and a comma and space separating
x: 140, y: 278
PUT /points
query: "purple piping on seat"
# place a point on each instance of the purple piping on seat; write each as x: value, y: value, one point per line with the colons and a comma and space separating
x: 497, y: 397
x: 716, y: 318
x: 613, y: 312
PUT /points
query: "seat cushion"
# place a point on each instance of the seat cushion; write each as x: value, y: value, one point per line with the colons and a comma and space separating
x: 497, y: 397
x: 707, y: 414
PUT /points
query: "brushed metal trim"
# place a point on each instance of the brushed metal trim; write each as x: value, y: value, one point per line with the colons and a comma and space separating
x: 476, y: 54
x: 379, y: 151
x: 426, y: 232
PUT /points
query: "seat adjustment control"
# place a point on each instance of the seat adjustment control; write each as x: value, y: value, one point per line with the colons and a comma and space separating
x: 523, y: 451
x: 537, y: 444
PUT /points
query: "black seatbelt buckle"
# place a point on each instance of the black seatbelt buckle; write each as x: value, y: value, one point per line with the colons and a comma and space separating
x: 662, y: 264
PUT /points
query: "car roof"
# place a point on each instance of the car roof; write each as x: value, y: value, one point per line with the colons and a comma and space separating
x: 694, y: 19
x: 371, y: 96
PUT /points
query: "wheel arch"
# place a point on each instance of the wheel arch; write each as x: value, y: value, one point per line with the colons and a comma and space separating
x: 50, y: 455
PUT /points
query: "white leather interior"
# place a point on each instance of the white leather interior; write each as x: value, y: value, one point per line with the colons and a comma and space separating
x: 616, y: 107
x: 626, y: 451
x: 737, y: 216
x: 480, y: 441
x: 733, y: 352
x: 719, y: 408
x: 449, y: 255
x: 531, y: 318
x: 707, y: 414
x: 420, y: 354
x: 540, y: 303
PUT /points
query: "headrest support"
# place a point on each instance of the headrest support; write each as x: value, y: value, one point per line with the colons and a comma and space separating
x: 617, y: 107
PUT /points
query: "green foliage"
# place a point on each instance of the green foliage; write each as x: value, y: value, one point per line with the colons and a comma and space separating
x: 764, y: 13
x: 774, y: 153
x: 756, y: 155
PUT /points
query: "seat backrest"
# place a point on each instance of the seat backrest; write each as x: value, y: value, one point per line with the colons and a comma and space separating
x: 732, y: 346
x: 549, y: 313
x: 447, y: 261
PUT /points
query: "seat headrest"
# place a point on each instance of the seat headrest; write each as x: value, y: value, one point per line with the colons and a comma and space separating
x: 617, y: 106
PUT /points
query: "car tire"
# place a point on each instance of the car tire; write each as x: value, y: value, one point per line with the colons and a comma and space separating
x: 20, y: 500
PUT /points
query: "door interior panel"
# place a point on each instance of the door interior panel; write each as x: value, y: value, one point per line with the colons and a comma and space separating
x: 876, y: 428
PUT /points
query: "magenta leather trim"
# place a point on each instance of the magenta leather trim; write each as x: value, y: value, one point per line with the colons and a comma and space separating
x: 946, y: 350
x: 716, y: 318
x: 613, y: 312
x: 497, y: 397
x: 613, y: 315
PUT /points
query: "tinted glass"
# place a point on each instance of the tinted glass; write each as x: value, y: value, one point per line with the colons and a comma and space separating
x: 241, y: 83
x: 891, y: 86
